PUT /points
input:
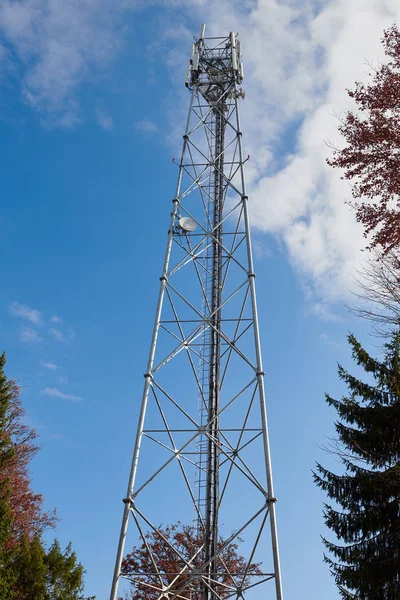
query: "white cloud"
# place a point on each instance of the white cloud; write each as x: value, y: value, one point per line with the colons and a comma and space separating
x: 105, y: 121
x: 57, y: 45
x: 56, y: 319
x: 21, y: 310
x: 57, y: 334
x: 261, y: 250
x: 146, y: 126
x: 27, y: 335
x: 55, y: 393
x: 49, y: 365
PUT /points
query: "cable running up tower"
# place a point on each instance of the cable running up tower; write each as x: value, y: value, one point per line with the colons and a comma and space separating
x: 202, y: 434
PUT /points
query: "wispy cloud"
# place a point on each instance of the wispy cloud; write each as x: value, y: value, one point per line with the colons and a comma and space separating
x: 58, y: 46
x: 56, y: 333
x: 27, y: 335
x: 322, y: 310
x: 56, y: 393
x: 261, y: 250
x: 105, y: 120
x: 146, y: 126
x: 56, y: 319
x: 26, y: 312
x: 327, y: 339
x: 49, y: 365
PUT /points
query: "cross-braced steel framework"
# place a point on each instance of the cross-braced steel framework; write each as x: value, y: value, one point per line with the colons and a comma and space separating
x: 202, y: 434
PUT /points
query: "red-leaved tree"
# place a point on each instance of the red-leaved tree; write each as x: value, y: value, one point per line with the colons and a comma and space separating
x: 162, y: 563
x: 371, y: 158
x: 26, y: 507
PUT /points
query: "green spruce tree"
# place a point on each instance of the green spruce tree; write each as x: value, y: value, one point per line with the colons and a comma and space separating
x: 64, y: 574
x: 365, y: 515
x: 31, y: 569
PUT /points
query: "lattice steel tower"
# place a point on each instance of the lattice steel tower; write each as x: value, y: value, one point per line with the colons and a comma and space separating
x: 202, y: 434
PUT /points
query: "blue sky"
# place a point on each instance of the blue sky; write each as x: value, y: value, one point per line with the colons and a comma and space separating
x: 92, y: 110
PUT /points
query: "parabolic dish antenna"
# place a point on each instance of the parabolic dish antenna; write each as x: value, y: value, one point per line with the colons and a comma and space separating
x: 187, y: 224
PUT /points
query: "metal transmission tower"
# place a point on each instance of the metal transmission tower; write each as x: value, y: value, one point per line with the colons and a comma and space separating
x: 202, y: 434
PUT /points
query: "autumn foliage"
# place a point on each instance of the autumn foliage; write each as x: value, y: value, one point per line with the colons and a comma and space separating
x: 28, y: 517
x: 166, y: 551
x: 371, y: 158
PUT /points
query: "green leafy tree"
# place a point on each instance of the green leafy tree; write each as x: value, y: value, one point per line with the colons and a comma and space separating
x: 64, y: 574
x: 366, y: 513
x: 31, y: 569
x: 55, y: 575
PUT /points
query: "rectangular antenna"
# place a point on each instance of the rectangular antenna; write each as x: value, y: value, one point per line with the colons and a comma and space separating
x: 234, y: 56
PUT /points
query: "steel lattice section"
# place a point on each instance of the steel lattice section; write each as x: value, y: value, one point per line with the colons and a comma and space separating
x: 203, y: 417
